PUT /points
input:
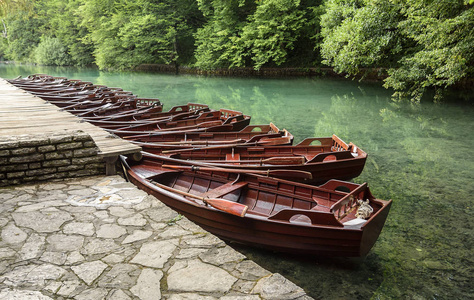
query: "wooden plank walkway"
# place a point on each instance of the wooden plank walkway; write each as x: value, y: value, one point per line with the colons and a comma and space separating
x: 23, y: 113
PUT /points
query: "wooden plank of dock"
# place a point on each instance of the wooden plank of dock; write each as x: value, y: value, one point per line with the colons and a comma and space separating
x: 22, y: 113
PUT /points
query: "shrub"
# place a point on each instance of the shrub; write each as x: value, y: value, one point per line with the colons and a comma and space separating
x: 50, y: 51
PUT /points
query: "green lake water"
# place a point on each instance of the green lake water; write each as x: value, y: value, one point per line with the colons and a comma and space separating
x: 420, y: 155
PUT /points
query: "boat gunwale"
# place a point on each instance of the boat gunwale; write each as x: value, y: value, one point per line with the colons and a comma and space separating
x: 256, y: 215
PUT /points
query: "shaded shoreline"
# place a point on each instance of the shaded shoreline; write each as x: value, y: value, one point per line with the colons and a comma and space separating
x: 371, y: 75
x: 366, y: 74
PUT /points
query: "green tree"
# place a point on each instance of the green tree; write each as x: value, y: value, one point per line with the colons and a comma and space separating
x: 14, y: 10
x: 215, y: 41
x: 62, y: 21
x: 271, y: 32
x: 422, y: 43
x: 22, y: 37
x: 443, y: 32
x: 51, y: 52
x: 53, y: 21
x: 128, y: 33
x: 274, y: 33
x: 8, y: 7
x: 241, y: 33
x: 360, y: 34
x: 188, y: 19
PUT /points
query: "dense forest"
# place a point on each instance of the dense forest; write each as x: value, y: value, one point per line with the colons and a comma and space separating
x: 413, y: 44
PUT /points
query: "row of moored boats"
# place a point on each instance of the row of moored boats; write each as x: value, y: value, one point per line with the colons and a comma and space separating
x: 244, y: 183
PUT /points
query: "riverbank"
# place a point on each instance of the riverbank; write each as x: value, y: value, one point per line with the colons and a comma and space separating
x: 366, y: 75
x: 370, y: 75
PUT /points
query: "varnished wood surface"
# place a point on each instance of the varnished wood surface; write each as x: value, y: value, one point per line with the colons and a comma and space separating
x: 23, y: 113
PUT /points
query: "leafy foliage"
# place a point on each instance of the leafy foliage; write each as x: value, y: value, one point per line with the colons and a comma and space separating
x: 444, y: 36
x: 11, y: 6
x: 215, y: 41
x: 50, y: 51
x: 242, y: 34
x: 422, y: 43
x: 112, y: 34
x: 23, y: 37
x: 359, y: 36
x: 64, y: 23
x: 271, y: 32
x: 129, y: 33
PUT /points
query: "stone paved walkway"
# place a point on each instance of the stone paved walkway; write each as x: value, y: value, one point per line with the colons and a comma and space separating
x: 102, y: 238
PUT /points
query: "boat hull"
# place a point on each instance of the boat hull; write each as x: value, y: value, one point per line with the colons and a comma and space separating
x: 273, y: 235
x: 320, y: 172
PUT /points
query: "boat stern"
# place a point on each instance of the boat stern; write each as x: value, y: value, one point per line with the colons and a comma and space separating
x: 373, y: 227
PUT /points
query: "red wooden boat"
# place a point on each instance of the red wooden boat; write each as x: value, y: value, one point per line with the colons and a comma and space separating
x: 160, y: 124
x: 125, y: 106
x: 122, y: 119
x: 85, y: 99
x: 221, y: 120
x: 331, y: 159
x: 62, y: 89
x: 267, y: 212
x: 48, y: 82
x: 92, y: 96
x: 252, y: 134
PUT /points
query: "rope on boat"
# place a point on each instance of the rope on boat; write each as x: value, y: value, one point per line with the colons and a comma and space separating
x: 364, y: 210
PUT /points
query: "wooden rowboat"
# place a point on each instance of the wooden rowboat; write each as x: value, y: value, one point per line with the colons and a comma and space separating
x: 267, y: 212
x: 131, y: 106
x: 85, y: 99
x: 95, y: 97
x: 331, y: 159
x: 213, y: 115
x: 264, y: 134
x: 221, y: 120
x: 119, y: 120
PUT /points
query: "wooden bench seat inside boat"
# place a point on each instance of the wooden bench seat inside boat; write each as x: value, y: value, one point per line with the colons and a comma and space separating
x: 232, y: 156
x: 224, y: 189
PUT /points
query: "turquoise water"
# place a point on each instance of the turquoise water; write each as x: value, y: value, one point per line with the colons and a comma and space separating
x: 420, y: 155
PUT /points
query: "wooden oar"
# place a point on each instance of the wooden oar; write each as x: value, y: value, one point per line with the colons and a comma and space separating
x: 177, y: 129
x: 225, y: 146
x: 284, y: 160
x: 165, y: 121
x: 274, y: 173
x: 230, y: 207
x: 124, y: 114
x: 275, y: 141
x: 189, y: 142
x: 201, y: 127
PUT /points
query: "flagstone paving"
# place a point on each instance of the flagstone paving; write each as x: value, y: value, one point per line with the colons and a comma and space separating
x: 102, y: 238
